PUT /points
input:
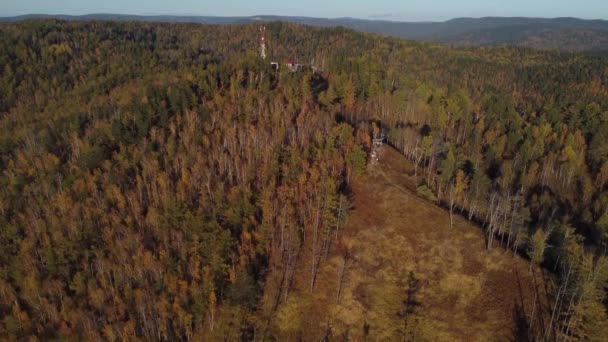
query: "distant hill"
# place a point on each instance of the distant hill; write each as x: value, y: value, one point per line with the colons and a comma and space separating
x: 571, y: 34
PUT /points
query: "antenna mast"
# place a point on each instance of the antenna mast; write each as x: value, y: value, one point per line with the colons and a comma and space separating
x: 263, y: 42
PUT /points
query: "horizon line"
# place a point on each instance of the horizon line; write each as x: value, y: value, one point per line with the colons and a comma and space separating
x: 369, y: 18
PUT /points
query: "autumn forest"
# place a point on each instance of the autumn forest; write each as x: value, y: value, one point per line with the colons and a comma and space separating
x: 163, y: 182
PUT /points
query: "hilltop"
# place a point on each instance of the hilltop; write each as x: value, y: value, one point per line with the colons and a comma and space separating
x: 162, y: 181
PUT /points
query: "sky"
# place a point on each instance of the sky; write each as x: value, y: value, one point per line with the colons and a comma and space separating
x: 406, y: 10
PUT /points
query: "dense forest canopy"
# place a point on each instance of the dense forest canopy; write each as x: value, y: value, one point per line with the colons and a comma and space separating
x: 153, y: 174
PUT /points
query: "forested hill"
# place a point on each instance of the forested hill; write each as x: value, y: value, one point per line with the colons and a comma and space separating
x: 152, y: 175
x: 570, y: 34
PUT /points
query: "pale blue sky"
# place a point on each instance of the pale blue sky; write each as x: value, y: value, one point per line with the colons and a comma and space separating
x: 415, y: 10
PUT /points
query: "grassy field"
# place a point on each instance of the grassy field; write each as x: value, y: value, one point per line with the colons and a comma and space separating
x: 401, y: 272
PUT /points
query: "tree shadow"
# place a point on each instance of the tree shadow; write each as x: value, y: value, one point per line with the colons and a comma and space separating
x: 521, y: 323
x: 521, y: 326
x: 413, y: 287
x: 366, y: 328
x: 410, y: 305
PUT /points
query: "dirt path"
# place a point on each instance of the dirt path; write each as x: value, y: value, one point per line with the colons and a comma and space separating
x: 401, y: 271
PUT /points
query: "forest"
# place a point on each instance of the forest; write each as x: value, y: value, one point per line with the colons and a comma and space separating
x: 153, y: 175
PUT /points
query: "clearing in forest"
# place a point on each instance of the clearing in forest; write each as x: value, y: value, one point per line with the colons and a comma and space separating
x: 400, y: 272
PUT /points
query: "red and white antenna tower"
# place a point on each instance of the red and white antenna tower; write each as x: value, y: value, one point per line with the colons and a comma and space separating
x: 263, y: 41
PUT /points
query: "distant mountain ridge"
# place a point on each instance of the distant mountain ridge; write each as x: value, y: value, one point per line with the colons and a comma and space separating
x: 570, y: 34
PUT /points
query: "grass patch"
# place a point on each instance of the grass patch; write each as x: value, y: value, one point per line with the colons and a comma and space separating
x: 425, y: 192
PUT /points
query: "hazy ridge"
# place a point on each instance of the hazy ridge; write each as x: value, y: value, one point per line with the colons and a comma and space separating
x: 570, y: 34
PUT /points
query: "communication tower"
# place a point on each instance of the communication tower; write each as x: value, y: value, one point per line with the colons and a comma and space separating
x: 263, y: 42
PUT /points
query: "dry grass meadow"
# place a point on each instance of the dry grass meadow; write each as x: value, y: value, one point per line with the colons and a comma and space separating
x: 401, y: 273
